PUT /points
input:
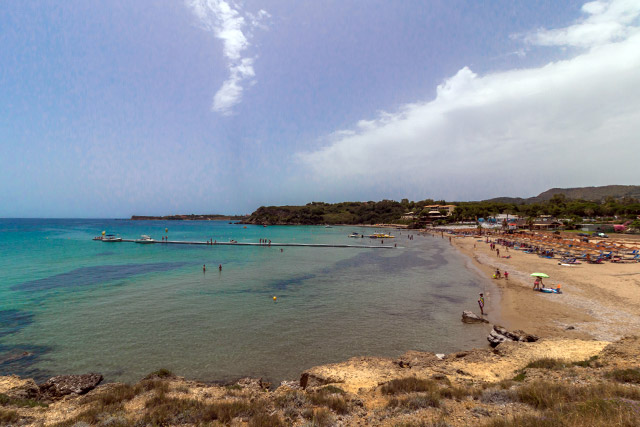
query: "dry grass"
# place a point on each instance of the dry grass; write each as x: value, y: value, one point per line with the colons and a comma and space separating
x: 332, y: 398
x: 594, y: 412
x: 409, y: 385
x: 266, y: 420
x: 163, y: 410
x: 416, y: 401
x: 8, y: 417
x: 458, y: 393
x: 21, y: 403
x: 548, y: 363
x: 558, y: 364
x: 546, y: 394
x: 625, y: 375
x: 319, y: 418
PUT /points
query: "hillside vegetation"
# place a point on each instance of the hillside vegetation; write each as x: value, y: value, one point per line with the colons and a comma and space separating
x: 385, y: 211
x: 552, y: 202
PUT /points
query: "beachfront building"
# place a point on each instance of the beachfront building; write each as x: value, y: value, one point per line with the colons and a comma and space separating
x: 438, y: 210
x: 603, y: 228
x: 409, y: 216
x: 543, y: 222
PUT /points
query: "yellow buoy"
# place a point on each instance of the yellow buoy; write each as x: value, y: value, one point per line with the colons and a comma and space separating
x: 104, y: 232
x: 274, y: 298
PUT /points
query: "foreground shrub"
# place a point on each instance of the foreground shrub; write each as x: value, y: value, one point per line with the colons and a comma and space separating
x: 415, y: 402
x: 409, y: 385
x: 545, y: 394
x: 522, y: 421
x: 114, y: 395
x: 319, y: 418
x: 265, y: 420
x: 21, y: 403
x: 625, y: 375
x: 160, y: 373
x: 326, y: 397
x: 8, y: 417
x: 162, y: 410
x: 457, y: 393
x: 548, y: 363
x: 593, y: 413
x: 96, y: 415
x: 520, y: 377
x: 591, y: 362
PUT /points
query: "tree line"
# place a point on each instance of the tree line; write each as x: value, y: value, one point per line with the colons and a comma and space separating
x: 390, y: 211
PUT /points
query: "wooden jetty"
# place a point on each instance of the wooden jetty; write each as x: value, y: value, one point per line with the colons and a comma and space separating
x: 306, y: 245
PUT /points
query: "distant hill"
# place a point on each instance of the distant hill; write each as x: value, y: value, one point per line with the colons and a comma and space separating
x: 595, y: 194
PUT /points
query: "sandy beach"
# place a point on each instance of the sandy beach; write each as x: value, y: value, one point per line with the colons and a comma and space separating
x: 599, y: 301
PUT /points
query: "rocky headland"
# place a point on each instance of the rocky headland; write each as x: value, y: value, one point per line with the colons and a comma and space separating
x: 547, y: 382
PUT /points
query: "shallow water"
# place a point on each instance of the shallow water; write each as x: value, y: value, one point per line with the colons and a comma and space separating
x: 123, y: 309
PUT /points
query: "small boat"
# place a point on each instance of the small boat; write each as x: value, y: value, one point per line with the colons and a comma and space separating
x: 144, y: 239
x: 328, y: 226
x: 355, y: 235
x: 381, y: 236
x: 111, y: 238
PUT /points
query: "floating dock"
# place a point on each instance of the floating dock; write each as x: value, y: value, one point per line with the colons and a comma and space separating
x: 305, y: 245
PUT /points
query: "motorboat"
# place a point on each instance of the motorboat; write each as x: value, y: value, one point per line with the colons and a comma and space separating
x: 355, y: 235
x: 111, y: 238
x: 144, y: 239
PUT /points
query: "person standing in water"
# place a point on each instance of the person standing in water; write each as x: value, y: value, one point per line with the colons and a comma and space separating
x: 481, y: 304
x: 204, y: 268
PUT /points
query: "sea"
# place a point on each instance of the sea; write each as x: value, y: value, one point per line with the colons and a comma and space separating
x: 72, y: 305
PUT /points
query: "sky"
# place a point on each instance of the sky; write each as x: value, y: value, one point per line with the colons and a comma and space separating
x: 156, y: 107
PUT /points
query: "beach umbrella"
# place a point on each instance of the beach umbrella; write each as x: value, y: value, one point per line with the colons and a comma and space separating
x: 539, y: 275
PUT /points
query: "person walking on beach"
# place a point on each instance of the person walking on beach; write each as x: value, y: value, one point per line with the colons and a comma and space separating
x: 498, y: 252
x: 481, y: 304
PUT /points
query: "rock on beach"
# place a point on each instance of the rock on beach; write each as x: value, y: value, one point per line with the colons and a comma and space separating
x: 471, y: 317
x: 62, y: 385
x: 499, y: 335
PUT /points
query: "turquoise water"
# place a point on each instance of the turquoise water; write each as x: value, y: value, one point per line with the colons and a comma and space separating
x: 69, y: 304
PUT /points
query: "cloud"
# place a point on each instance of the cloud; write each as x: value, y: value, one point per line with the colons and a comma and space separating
x: 228, y: 24
x: 570, y: 122
x: 606, y: 22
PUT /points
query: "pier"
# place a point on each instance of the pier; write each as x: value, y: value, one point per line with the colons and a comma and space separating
x: 305, y: 245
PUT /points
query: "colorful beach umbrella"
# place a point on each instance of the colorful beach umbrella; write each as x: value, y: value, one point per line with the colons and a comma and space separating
x: 539, y: 275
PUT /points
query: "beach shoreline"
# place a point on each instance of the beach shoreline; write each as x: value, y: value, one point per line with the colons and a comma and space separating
x: 598, y: 301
